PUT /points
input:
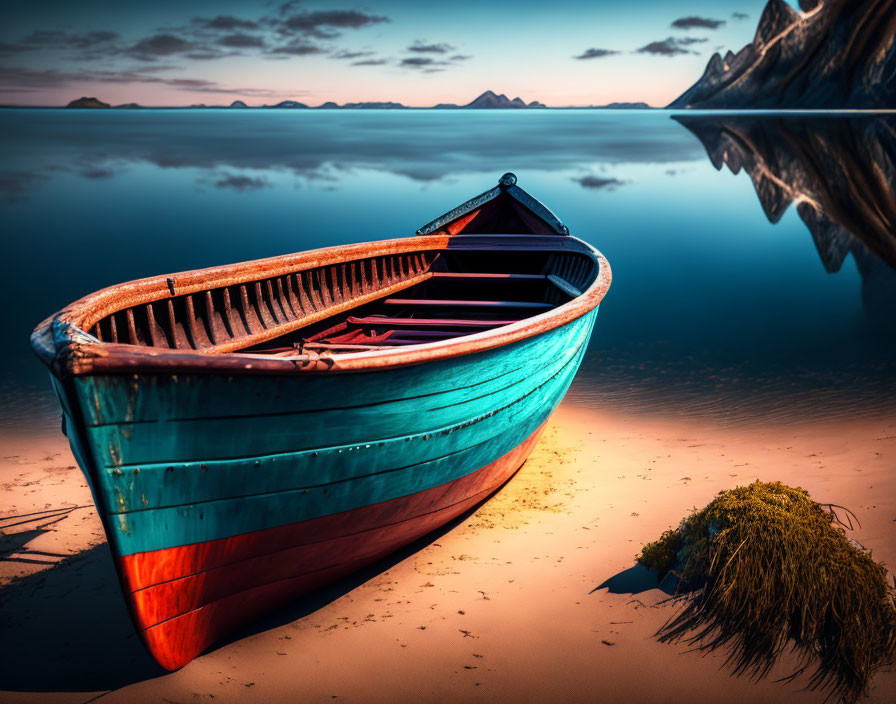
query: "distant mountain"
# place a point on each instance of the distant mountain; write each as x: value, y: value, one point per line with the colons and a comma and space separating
x: 371, y: 105
x: 492, y: 101
x: 624, y: 106
x: 128, y: 106
x: 840, y: 173
x: 288, y: 105
x: 238, y: 104
x: 837, y: 54
x: 88, y: 103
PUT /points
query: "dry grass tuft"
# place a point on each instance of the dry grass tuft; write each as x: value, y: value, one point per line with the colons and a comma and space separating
x: 768, y: 569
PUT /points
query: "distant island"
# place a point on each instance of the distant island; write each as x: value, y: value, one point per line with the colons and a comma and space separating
x: 489, y: 100
x: 839, y: 54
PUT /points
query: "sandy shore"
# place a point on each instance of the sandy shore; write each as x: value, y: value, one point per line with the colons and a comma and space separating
x: 531, y: 598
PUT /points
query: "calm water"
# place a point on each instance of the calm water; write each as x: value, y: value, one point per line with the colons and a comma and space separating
x: 714, y: 310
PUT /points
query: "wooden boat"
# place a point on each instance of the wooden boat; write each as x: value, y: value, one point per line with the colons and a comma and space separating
x: 252, y: 432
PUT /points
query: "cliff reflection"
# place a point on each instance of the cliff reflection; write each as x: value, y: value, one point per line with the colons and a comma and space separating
x: 839, y: 171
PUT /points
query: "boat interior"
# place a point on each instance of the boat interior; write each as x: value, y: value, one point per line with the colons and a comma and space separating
x: 392, y: 300
x: 407, y: 296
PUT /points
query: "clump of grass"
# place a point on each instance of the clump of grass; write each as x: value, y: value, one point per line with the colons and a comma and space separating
x: 764, y: 569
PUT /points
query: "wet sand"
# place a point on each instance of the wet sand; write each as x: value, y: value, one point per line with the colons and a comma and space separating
x: 533, y: 597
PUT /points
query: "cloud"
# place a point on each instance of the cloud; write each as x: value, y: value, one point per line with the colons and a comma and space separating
x: 224, y: 23
x: 240, y: 40
x: 242, y: 183
x: 6, y: 48
x: 740, y: 15
x: 346, y: 54
x: 669, y: 47
x: 370, y: 62
x: 599, y: 183
x: 460, y: 57
x: 595, y: 53
x: 160, y: 45
x: 19, y: 80
x: 298, y: 48
x: 693, y: 21
x: 422, y: 48
x: 87, y: 40
x: 420, y: 62
x: 687, y: 41
x: 325, y: 24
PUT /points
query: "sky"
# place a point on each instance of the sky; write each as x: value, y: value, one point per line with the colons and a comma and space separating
x: 183, y: 52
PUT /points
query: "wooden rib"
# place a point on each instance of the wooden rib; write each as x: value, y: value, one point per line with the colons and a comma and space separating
x: 564, y: 286
x: 374, y: 275
x: 192, y: 327
x: 264, y: 311
x: 267, y: 295
x: 304, y: 301
x: 353, y: 289
x: 96, y: 332
x: 283, y: 293
x: 113, y: 328
x: 335, y: 284
x: 324, y: 288
x: 132, y: 328
x: 211, y: 319
x: 292, y: 296
x: 364, y: 280
x: 250, y: 318
x: 231, y: 317
x: 155, y: 332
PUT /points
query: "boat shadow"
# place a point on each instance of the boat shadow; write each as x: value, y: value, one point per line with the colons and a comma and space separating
x: 67, y: 628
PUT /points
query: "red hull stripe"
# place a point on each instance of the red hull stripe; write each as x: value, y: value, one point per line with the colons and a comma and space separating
x: 186, y: 598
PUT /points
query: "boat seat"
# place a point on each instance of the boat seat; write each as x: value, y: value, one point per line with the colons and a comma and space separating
x: 378, y: 321
x: 449, y: 303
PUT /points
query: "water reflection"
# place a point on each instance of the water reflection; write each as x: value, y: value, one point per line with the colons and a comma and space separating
x: 841, y: 174
x: 718, y: 307
x: 234, y: 150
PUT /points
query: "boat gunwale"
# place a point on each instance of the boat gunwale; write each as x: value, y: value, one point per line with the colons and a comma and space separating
x: 62, y: 344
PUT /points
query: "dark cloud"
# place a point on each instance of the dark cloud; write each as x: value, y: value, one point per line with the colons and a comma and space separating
x: 595, y: 53
x: 298, y: 48
x: 207, y: 54
x: 693, y: 21
x: 460, y: 57
x: 687, y: 41
x: 7, y: 49
x: 667, y: 47
x: 242, y: 183
x: 422, y: 62
x: 60, y: 39
x: 241, y: 40
x: 370, y: 62
x: 224, y: 23
x: 23, y: 80
x: 599, y: 182
x: 422, y: 48
x: 97, y: 172
x: 740, y: 15
x: 345, y: 54
x: 325, y: 24
x: 161, y: 45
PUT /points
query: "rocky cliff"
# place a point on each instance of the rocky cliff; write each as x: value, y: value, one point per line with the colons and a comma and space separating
x: 834, y: 54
